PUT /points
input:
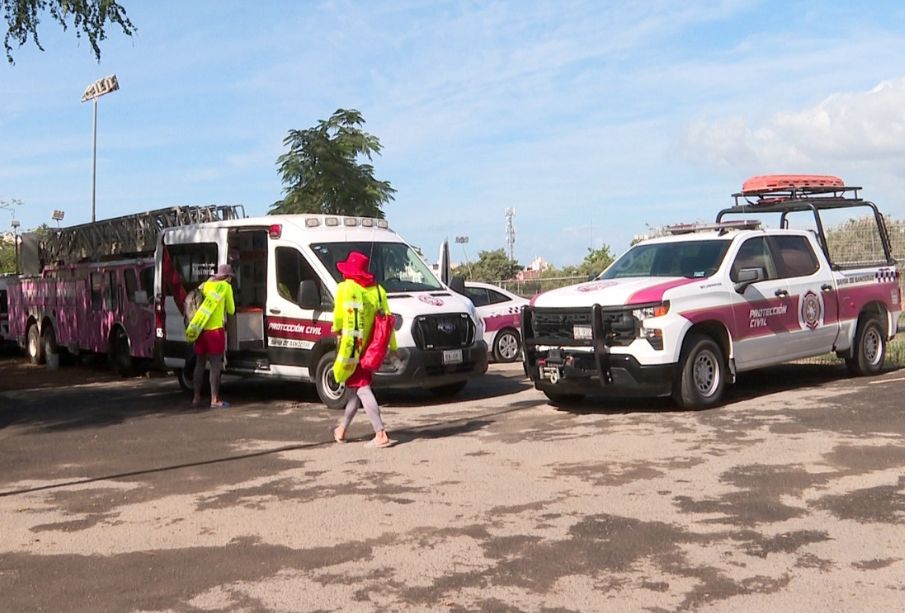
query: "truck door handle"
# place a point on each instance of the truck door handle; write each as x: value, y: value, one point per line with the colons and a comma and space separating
x: 781, y: 293
x: 826, y: 287
x: 274, y: 311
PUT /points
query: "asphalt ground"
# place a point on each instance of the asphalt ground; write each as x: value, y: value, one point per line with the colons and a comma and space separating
x: 116, y: 495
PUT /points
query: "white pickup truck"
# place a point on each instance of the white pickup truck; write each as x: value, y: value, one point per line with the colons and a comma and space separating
x: 682, y: 314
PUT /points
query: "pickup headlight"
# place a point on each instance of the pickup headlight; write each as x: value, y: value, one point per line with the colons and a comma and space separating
x: 649, y: 312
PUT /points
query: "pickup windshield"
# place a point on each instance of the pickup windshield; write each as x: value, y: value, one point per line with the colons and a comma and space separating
x: 395, y: 266
x: 692, y: 259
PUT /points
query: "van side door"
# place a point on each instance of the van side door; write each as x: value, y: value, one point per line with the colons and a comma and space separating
x: 292, y: 331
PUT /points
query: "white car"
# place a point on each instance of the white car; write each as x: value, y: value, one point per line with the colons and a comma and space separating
x: 501, y: 312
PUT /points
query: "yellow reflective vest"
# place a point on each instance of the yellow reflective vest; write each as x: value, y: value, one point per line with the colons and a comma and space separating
x: 353, y: 318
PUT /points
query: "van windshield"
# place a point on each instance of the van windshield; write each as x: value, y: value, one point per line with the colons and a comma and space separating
x: 692, y: 259
x: 395, y: 266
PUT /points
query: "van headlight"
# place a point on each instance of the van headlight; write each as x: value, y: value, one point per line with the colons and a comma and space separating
x: 649, y: 312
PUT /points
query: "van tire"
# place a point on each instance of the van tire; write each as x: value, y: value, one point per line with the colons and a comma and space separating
x: 334, y: 395
x: 34, y: 345
x: 869, y: 350
x: 701, y: 379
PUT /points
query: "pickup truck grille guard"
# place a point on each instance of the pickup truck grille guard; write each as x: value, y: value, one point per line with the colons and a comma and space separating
x: 555, y: 327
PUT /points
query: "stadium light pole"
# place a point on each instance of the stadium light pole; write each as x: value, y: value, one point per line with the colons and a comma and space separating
x: 15, y: 225
x: 93, y: 92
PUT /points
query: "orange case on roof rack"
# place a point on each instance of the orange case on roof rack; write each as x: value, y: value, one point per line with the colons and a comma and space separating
x: 772, y: 183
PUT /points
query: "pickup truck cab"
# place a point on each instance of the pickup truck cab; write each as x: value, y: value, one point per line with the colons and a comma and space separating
x: 682, y: 314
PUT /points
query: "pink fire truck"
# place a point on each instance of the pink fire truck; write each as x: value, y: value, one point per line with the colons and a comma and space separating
x: 89, y: 288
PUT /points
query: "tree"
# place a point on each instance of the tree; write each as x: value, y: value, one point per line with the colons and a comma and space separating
x: 320, y: 173
x: 89, y: 18
x: 491, y: 267
x: 595, y: 261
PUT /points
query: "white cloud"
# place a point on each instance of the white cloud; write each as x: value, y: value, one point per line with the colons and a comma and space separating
x: 846, y: 130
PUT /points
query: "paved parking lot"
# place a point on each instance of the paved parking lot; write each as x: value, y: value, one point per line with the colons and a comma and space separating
x: 116, y: 495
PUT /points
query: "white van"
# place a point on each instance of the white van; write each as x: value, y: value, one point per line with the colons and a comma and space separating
x: 286, y: 278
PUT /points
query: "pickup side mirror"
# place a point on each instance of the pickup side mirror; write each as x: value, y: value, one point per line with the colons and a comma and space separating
x: 309, y: 295
x: 457, y: 284
x: 747, y: 276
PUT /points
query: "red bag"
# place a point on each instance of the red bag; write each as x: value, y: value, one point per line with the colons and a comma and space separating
x: 376, y: 350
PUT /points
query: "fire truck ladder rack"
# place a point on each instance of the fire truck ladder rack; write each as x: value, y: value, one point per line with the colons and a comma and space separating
x: 129, y: 235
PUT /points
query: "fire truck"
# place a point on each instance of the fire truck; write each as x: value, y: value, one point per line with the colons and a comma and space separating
x: 683, y: 314
x: 89, y: 288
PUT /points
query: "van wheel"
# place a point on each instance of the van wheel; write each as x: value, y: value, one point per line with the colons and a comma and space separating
x: 34, y: 346
x: 331, y: 393
x: 120, y: 354
x: 869, y: 349
x: 702, y: 374
x: 506, y: 346
x: 450, y: 389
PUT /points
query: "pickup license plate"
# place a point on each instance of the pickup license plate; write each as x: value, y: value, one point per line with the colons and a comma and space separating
x: 582, y: 333
x: 452, y: 356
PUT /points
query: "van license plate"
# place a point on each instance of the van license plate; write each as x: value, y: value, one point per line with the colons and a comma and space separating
x: 581, y: 333
x: 452, y: 356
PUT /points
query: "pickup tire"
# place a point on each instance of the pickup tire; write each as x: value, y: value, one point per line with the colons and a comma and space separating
x: 331, y: 393
x: 562, y: 398
x: 869, y: 350
x: 701, y: 378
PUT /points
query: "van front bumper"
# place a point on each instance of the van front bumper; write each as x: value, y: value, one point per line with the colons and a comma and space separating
x: 426, y: 367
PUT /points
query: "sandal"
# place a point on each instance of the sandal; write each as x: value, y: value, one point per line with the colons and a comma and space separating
x: 380, y: 444
x: 220, y: 405
x: 339, y: 434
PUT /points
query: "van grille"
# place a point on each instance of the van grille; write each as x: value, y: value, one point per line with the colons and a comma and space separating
x: 448, y: 331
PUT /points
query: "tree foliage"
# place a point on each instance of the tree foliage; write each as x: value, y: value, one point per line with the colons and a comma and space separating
x: 595, y: 261
x: 321, y: 173
x: 491, y: 267
x: 88, y: 18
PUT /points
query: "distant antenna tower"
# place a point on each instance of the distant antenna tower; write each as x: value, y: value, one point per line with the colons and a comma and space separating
x: 510, y: 232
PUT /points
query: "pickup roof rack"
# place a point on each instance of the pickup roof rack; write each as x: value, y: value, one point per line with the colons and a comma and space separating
x: 786, y: 194
x: 721, y: 227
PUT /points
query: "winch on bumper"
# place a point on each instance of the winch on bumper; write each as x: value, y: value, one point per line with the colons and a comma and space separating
x: 569, y: 351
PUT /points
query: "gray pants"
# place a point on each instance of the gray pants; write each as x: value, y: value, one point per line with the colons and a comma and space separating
x: 366, y: 397
x: 216, y: 362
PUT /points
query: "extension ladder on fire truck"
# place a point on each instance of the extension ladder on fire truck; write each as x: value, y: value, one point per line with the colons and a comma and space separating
x: 126, y: 236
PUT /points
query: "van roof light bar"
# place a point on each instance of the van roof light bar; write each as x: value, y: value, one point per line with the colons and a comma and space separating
x: 723, y: 226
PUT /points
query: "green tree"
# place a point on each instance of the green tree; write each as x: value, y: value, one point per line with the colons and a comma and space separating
x: 88, y: 17
x: 491, y: 267
x: 321, y: 173
x: 7, y: 256
x: 595, y: 261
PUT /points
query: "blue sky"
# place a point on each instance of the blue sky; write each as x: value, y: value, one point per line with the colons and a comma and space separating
x: 591, y: 119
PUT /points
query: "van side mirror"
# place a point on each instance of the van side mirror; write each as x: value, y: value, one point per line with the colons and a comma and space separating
x: 457, y: 284
x: 309, y: 295
x: 747, y: 276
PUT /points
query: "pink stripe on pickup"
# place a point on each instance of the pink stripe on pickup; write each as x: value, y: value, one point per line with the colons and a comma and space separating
x: 655, y: 293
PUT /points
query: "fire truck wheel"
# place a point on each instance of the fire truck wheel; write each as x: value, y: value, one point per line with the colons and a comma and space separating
x: 331, y: 393
x: 185, y: 377
x: 702, y: 373
x: 120, y: 354
x: 870, y: 349
x: 506, y: 346
x: 33, y: 345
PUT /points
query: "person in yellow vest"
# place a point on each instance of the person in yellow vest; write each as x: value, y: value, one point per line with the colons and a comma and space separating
x: 210, y: 346
x: 358, y: 299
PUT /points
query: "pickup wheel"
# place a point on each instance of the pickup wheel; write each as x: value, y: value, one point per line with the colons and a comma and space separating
x: 702, y: 374
x: 869, y: 349
x: 331, y: 393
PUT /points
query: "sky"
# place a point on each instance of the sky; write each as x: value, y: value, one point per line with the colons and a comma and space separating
x: 593, y: 120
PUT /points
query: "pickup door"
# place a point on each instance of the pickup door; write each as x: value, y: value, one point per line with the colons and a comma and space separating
x: 792, y: 311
